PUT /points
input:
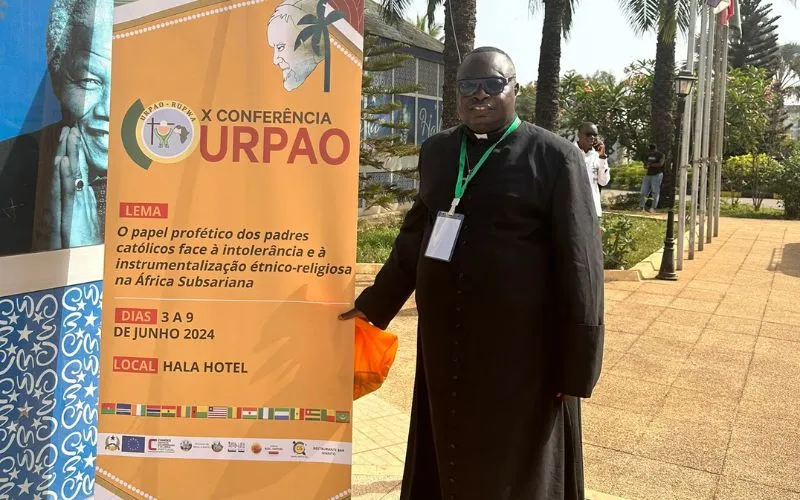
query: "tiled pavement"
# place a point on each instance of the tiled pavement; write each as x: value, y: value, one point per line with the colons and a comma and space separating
x: 697, y: 396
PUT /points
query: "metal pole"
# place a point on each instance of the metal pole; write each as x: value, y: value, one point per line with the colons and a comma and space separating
x: 714, y: 137
x: 721, y: 121
x: 686, y: 135
x: 698, y: 127
x: 667, y: 269
x: 709, y: 78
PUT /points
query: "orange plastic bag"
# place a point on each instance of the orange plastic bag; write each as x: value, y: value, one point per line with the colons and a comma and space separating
x: 375, y: 350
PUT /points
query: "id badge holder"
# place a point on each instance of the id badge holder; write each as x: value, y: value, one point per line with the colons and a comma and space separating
x: 443, y: 239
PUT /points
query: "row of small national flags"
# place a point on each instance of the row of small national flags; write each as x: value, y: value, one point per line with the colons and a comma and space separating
x: 226, y: 412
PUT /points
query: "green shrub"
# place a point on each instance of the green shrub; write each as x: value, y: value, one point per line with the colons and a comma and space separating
x: 789, y: 186
x: 627, y: 177
x: 626, y: 201
x: 727, y: 209
x: 755, y: 175
x: 375, y: 241
x: 618, y: 241
x: 626, y: 239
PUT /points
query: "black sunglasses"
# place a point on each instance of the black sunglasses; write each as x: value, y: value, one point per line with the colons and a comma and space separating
x: 493, y: 85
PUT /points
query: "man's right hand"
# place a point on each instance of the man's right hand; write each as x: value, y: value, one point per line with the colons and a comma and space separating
x: 353, y: 313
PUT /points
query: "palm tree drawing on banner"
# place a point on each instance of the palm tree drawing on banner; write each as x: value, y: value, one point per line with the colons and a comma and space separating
x: 316, y: 28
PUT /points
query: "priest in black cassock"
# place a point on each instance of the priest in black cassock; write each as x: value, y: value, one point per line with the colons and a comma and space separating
x: 502, y: 247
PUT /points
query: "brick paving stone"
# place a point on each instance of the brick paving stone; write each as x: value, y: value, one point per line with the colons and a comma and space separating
x: 619, y: 341
x: 736, y: 325
x: 647, y: 311
x: 696, y: 445
x: 712, y: 339
x: 735, y: 489
x: 673, y: 331
x: 696, y: 305
x: 648, y: 368
x: 622, y: 393
x: 689, y: 406
x: 647, y: 479
x: 659, y: 346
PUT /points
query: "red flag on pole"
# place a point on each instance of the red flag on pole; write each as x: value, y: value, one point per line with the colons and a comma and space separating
x: 727, y: 14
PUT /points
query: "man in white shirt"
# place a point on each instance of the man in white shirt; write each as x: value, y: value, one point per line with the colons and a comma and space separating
x: 594, y: 154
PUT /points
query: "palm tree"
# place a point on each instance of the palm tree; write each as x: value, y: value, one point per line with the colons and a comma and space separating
x: 665, y: 16
x: 557, y: 23
x: 317, y: 29
x: 459, y: 39
x: 787, y: 76
x: 434, y: 29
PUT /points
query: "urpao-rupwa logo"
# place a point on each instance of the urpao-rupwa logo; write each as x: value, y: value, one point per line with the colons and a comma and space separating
x: 164, y: 132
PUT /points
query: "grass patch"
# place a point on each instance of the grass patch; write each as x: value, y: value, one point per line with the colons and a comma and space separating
x: 747, y: 211
x: 627, y: 240
x: 375, y: 240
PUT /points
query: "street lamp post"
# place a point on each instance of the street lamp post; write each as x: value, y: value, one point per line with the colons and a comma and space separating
x: 684, y: 82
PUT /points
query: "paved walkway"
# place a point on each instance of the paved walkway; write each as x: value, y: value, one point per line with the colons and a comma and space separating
x: 698, y: 394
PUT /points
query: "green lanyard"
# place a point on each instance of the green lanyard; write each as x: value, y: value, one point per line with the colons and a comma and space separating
x: 461, y: 181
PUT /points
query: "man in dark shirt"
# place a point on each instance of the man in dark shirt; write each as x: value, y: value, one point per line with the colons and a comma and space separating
x: 654, y: 163
x: 503, y: 249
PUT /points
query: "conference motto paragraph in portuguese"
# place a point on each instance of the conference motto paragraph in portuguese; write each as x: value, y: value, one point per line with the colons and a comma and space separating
x: 206, y: 257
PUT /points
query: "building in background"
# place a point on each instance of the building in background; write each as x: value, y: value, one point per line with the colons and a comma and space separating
x: 420, y: 110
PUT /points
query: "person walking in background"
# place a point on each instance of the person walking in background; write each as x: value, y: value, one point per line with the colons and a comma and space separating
x: 595, y: 159
x: 502, y: 247
x: 651, y: 183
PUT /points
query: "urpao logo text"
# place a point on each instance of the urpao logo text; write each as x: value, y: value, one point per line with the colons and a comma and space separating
x: 163, y: 132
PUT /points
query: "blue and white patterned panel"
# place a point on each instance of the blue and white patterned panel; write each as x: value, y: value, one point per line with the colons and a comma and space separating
x: 49, y: 363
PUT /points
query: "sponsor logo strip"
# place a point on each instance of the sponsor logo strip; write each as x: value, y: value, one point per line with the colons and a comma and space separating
x: 216, y: 448
x: 227, y: 412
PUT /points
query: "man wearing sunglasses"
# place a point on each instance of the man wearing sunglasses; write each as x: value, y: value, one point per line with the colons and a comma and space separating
x: 594, y: 155
x: 502, y: 247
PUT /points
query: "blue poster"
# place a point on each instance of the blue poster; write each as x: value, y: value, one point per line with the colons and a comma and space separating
x: 28, y: 102
x: 49, y: 362
x: 375, y: 129
x: 427, y: 119
x: 55, y: 57
x: 407, y: 114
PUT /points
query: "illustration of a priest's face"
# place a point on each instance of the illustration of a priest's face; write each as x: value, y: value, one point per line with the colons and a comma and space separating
x: 282, y: 32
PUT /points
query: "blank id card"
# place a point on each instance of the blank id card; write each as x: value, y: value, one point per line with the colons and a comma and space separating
x: 444, y: 236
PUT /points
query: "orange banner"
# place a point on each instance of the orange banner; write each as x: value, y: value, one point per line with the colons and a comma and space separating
x: 230, y: 250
